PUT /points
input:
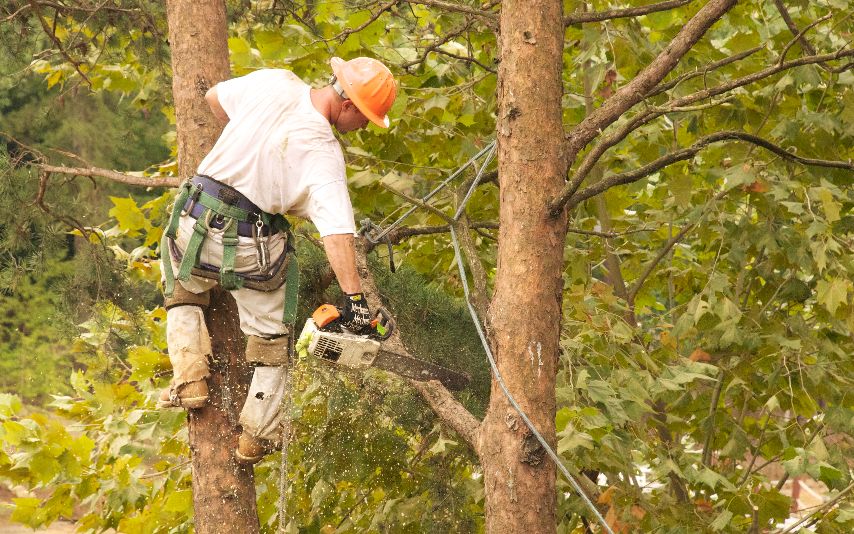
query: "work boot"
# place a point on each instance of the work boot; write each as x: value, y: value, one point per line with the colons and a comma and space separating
x: 190, y: 396
x: 250, y: 450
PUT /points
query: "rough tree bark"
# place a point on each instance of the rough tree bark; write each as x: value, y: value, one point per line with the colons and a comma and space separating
x: 223, y: 493
x: 519, y: 478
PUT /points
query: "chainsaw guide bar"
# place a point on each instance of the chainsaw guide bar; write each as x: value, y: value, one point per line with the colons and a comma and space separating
x: 362, y: 352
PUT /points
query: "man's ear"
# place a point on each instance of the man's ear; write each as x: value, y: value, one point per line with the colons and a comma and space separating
x: 347, y: 104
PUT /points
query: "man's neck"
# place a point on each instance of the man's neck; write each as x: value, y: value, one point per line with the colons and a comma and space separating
x: 327, y: 102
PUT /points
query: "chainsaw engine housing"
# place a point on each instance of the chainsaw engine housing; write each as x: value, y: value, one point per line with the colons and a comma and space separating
x: 350, y: 350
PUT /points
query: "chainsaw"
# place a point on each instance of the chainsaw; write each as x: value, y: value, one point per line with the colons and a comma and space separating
x: 323, y: 336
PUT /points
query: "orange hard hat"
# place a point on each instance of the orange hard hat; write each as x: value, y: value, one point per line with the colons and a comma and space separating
x: 369, y: 84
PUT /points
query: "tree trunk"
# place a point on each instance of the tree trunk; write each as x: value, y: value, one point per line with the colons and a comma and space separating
x: 223, y: 493
x: 525, y: 313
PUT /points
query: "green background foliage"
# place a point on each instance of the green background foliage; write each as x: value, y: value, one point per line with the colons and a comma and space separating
x: 734, y: 351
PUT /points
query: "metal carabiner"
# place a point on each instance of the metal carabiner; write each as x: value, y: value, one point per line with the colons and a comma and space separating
x: 194, y: 197
x: 262, y: 252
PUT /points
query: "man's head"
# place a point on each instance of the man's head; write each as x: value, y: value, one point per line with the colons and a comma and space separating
x: 367, y: 90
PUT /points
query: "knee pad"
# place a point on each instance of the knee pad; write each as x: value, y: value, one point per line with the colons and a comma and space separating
x: 268, y: 352
x: 189, y: 344
x: 182, y: 297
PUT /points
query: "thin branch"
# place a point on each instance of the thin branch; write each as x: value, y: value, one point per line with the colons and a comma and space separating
x: 690, y: 152
x: 633, y: 92
x: 799, y: 36
x: 115, y: 176
x: 399, y: 234
x: 52, y: 35
x: 713, y: 407
x: 16, y: 13
x: 456, y: 8
x: 436, y: 44
x: 350, y: 31
x: 600, y: 16
x: 468, y: 59
x: 636, y: 287
x: 705, y: 70
x: 826, y: 506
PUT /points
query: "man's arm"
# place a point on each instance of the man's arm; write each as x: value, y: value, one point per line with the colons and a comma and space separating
x: 213, y: 101
x: 341, y: 251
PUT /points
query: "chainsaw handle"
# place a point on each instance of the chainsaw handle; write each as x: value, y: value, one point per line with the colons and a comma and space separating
x: 383, y: 324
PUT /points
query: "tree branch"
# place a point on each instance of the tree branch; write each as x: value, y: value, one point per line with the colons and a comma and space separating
x: 633, y: 92
x: 600, y: 16
x: 690, y: 152
x: 436, y: 44
x: 799, y: 36
x: 651, y: 114
x: 449, y: 410
x: 705, y: 70
x: 457, y: 8
x: 350, y: 31
x: 52, y: 35
x: 94, y: 172
x: 638, y: 284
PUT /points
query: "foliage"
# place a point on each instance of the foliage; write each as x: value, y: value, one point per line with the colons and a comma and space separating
x: 718, y: 354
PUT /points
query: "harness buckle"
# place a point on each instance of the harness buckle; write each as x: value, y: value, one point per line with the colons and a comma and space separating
x: 194, y: 197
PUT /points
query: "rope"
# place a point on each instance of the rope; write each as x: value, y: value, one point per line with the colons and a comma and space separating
x: 489, y: 150
x: 284, y: 482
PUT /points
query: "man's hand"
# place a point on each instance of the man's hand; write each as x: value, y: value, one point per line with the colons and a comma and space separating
x: 355, y: 314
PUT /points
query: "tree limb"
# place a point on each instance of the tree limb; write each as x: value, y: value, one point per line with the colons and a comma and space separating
x: 648, y: 115
x: 799, y: 36
x: 600, y: 16
x: 115, y: 176
x: 633, y: 92
x: 52, y: 35
x: 449, y: 410
x: 638, y: 284
x: 350, y: 31
x: 705, y: 70
x: 457, y: 8
x: 690, y: 152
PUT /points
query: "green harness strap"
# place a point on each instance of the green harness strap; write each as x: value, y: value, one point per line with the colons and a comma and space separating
x: 194, y: 247
x: 291, y: 288
x: 228, y: 279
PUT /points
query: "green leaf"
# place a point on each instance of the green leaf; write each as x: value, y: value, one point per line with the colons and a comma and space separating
x: 721, y: 521
x: 180, y: 501
x: 130, y: 218
x: 833, y: 293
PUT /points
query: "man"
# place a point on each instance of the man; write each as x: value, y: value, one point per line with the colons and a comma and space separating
x: 277, y: 155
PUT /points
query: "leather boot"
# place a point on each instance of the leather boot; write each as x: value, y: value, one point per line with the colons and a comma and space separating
x: 250, y: 450
x: 191, y: 396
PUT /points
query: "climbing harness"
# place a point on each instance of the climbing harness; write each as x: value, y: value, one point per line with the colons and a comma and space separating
x: 220, y: 209
x: 375, y: 235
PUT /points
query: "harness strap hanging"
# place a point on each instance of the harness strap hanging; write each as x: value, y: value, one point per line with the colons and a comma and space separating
x: 228, y: 279
x: 180, y: 200
x: 168, y: 275
x: 194, y: 247
x: 291, y: 289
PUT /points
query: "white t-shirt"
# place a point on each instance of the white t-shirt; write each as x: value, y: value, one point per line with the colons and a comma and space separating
x: 280, y: 152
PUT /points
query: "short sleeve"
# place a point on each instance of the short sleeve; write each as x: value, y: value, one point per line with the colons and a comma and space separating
x: 330, y: 209
x: 234, y: 93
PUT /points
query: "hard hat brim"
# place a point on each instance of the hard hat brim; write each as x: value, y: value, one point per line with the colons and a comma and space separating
x: 337, y: 63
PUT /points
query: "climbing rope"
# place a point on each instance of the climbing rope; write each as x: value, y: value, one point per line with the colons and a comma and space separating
x: 489, y: 152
